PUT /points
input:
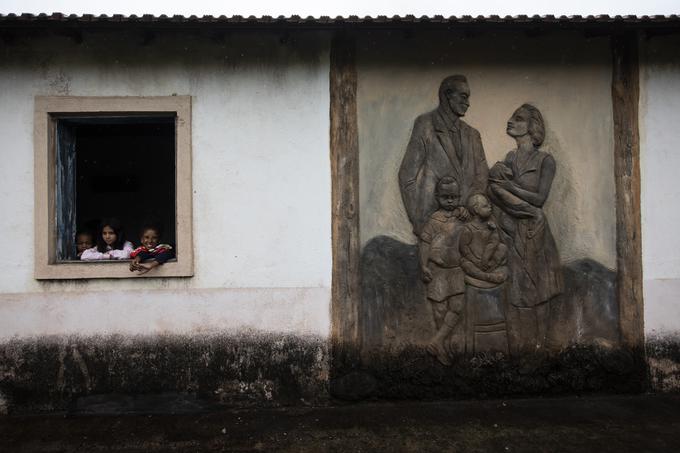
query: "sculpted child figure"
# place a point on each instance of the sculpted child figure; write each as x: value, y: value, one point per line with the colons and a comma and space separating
x: 483, y: 253
x: 442, y: 272
x: 484, y: 258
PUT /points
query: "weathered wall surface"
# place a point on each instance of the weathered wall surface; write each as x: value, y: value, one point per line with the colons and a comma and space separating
x: 567, y: 76
x: 660, y: 136
x: 261, y: 185
x: 251, y: 326
x: 260, y: 155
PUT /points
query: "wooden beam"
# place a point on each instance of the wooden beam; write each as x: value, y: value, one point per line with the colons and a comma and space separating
x: 344, y: 149
x: 625, y: 97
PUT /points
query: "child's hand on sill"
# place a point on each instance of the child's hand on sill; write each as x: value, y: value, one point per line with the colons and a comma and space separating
x: 134, y: 264
x: 143, y: 268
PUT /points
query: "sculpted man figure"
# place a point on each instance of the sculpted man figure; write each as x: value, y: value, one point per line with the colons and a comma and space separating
x: 442, y: 145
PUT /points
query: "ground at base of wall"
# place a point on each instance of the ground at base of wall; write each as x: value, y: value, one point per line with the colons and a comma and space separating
x: 620, y: 424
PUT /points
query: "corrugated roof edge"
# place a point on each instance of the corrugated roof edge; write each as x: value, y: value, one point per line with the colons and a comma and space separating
x: 326, y: 20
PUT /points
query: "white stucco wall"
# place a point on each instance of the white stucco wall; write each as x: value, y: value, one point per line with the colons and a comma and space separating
x: 261, y: 181
x: 660, y: 160
x: 261, y: 178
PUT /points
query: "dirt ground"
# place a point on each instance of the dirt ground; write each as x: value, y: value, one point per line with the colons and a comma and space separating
x: 643, y: 423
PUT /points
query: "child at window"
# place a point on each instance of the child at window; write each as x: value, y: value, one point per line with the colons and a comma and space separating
x: 111, y: 243
x: 84, y: 241
x: 150, y: 254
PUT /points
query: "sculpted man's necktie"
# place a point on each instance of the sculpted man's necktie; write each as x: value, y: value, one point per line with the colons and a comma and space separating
x: 457, y: 144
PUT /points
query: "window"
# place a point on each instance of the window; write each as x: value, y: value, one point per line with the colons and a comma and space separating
x: 126, y: 157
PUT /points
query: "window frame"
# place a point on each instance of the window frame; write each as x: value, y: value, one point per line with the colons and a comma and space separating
x: 46, y: 114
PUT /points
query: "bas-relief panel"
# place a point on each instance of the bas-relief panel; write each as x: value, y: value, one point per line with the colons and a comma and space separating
x: 486, y: 235
x: 568, y: 78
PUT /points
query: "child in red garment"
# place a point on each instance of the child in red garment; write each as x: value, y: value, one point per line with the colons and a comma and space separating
x: 150, y: 254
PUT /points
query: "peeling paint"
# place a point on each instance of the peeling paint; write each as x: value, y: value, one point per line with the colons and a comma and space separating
x: 60, y: 83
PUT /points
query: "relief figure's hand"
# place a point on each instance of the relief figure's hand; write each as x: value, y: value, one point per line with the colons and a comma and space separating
x: 427, y: 274
x: 500, y: 171
x: 507, y: 185
x: 463, y: 214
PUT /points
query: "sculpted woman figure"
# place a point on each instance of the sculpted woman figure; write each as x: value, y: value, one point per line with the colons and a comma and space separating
x: 519, y: 186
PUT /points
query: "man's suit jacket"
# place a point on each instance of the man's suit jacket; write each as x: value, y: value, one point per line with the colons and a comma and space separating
x: 430, y: 156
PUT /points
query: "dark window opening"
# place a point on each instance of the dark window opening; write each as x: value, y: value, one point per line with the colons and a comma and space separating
x: 122, y: 167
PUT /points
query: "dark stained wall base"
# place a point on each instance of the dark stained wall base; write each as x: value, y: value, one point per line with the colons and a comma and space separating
x: 165, y: 374
x: 174, y: 374
x: 412, y: 373
x: 663, y: 357
x: 583, y: 352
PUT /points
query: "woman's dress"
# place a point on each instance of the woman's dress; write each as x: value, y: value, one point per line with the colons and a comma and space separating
x: 535, y: 269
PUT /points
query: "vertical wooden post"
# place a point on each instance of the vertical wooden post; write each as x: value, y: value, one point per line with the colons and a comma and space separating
x: 344, y: 143
x: 625, y: 96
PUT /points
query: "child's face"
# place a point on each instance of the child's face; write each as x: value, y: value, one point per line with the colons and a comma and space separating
x: 448, y: 198
x: 84, y: 242
x: 109, y: 235
x: 149, y: 238
x: 483, y: 209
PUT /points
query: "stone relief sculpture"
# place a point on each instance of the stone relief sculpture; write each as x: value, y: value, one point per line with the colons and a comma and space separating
x: 488, y: 283
x: 519, y: 186
x: 482, y: 286
x: 441, y: 144
x: 441, y: 269
x: 443, y: 151
x: 484, y: 258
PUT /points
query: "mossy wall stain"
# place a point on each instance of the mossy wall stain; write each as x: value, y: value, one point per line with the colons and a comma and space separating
x: 174, y: 373
x: 59, y: 373
x: 663, y: 356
